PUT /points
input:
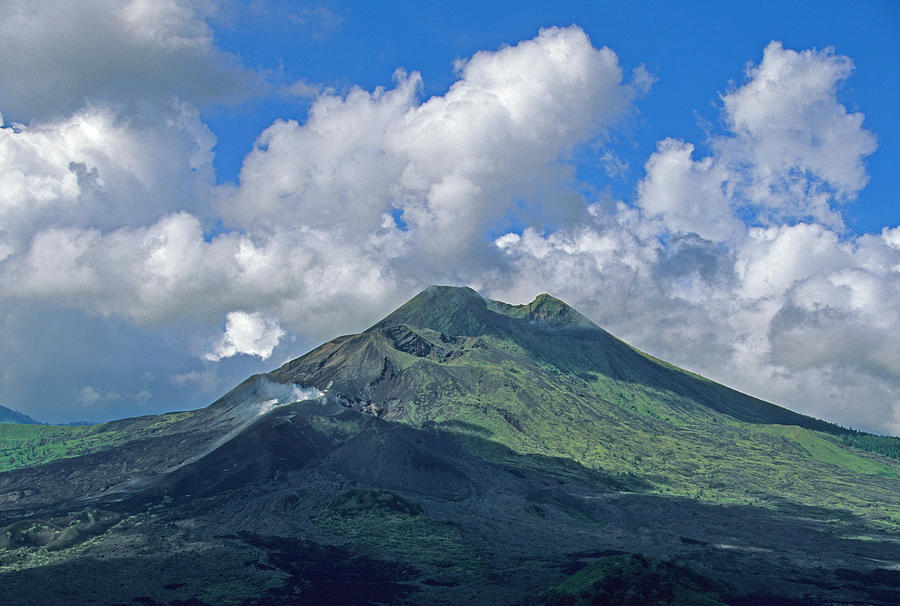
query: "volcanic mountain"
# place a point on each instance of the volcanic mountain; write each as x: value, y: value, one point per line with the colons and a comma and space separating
x: 461, y: 450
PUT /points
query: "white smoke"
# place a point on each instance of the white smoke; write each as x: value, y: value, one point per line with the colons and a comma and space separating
x: 272, y: 394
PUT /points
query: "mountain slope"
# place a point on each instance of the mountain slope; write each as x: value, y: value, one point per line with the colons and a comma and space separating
x: 8, y: 415
x: 459, y: 451
x: 540, y: 379
x: 553, y: 334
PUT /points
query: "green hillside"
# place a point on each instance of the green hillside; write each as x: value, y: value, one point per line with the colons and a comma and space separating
x: 543, y: 381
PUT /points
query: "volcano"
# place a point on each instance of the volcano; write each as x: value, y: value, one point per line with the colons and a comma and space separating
x: 460, y: 451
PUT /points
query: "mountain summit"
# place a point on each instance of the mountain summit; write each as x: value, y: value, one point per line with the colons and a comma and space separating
x: 467, y: 341
x: 462, y: 311
x: 461, y: 450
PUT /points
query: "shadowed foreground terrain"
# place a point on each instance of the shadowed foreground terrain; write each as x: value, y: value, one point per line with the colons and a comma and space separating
x: 461, y: 450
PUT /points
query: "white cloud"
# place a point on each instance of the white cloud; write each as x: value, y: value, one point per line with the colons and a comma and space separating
x: 88, y: 395
x: 58, y: 54
x: 167, y: 271
x: 453, y: 164
x: 302, y: 88
x: 793, y: 153
x: 317, y: 21
x: 97, y: 169
x: 891, y: 236
x: 751, y: 282
x: 91, y: 397
x: 688, y: 196
x: 251, y: 334
x: 771, y: 260
x: 796, y: 139
x: 101, y: 126
x: 733, y: 264
x: 205, y: 380
x: 314, y: 236
x: 795, y: 315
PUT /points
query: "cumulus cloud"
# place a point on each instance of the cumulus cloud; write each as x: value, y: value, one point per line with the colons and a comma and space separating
x: 317, y: 21
x: 101, y: 128
x: 58, y: 55
x: 90, y: 397
x: 98, y: 169
x: 795, y: 314
x: 169, y: 271
x: 252, y: 334
x: 206, y: 380
x: 793, y: 153
x: 449, y: 166
x: 798, y: 144
x: 374, y: 195
x: 688, y: 196
x: 734, y: 264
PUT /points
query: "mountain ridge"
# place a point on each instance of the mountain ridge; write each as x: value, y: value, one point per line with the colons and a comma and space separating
x: 8, y: 415
x: 463, y: 311
x: 534, y: 327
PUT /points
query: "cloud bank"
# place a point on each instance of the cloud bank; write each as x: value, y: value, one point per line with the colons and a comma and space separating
x: 735, y: 263
x: 138, y: 53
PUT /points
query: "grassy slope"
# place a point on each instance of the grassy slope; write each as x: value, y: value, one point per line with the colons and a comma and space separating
x: 27, y: 445
x: 625, y: 429
x: 548, y: 386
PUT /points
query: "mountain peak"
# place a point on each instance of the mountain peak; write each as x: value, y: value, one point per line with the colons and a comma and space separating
x: 547, y: 331
x: 451, y: 309
x: 544, y: 309
x: 460, y: 310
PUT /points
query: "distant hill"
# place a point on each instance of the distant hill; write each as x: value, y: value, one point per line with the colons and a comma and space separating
x: 8, y: 415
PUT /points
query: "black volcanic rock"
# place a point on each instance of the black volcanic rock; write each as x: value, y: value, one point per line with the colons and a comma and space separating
x: 400, y: 458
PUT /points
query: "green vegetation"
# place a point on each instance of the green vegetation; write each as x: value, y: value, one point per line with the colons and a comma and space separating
x: 581, y: 444
x: 887, y: 446
x: 28, y: 445
x: 832, y: 450
x: 499, y: 404
x: 538, y: 383
x: 539, y: 386
x: 391, y: 522
x: 633, y: 580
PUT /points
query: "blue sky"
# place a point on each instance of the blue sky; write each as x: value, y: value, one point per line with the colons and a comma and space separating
x: 195, y: 191
x: 694, y: 49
